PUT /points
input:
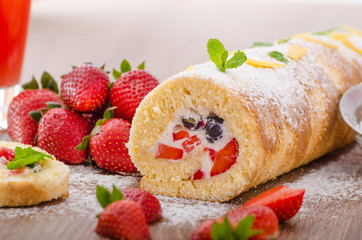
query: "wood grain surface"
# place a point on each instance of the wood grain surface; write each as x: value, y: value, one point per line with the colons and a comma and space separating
x: 170, y: 36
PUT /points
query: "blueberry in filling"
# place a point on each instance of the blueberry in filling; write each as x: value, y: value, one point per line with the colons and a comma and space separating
x: 191, y: 123
x: 213, y: 128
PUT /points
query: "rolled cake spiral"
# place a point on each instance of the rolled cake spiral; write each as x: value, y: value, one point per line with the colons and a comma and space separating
x: 210, y: 135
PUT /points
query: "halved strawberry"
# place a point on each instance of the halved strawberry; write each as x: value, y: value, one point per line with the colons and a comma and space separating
x: 180, y: 135
x: 225, y: 158
x: 284, y: 201
x: 198, y: 175
x: 191, y: 143
x: 168, y: 152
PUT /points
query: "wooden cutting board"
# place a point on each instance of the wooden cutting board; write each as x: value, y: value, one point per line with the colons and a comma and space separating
x: 332, y: 207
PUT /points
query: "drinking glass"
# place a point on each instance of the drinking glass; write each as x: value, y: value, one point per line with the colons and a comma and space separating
x: 14, y: 17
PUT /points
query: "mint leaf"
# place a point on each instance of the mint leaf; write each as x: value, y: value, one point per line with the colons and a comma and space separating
x: 217, y: 53
x: 284, y: 40
x: 278, y: 56
x: 243, y: 230
x: 116, y: 195
x: 237, y: 60
x: 26, y: 156
x: 262, y: 44
x: 103, y: 196
x: 326, y: 32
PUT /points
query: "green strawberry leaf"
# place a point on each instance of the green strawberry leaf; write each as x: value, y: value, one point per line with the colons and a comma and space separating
x: 262, y: 44
x: 116, y: 74
x: 103, y: 196
x: 141, y: 66
x: 26, y: 156
x: 108, y: 114
x: 278, y: 56
x: 97, y: 128
x: 51, y: 105
x: 103, y: 66
x: 125, y: 66
x: 243, y: 230
x: 35, y: 115
x: 33, y: 84
x: 237, y: 60
x: 116, y: 194
x: 221, y: 231
x: 48, y: 82
x: 111, y: 84
x: 84, y: 144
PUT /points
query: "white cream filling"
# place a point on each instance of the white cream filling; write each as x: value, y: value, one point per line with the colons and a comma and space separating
x: 166, y: 137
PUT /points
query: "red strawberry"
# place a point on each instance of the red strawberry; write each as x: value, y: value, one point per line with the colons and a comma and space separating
x: 60, y: 131
x: 21, y: 127
x: 225, y: 158
x: 108, y: 148
x: 123, y: 219
x: 203, y: 232
x: 180, y: 135
x: 191, y: 143
x: 264, y: 225
x: 150, y: 205
x: 129, y: 90
x: 284, y: 201
x: 168, y: 152
x: 265, y: 220
x: 6, y: 153
x: 85, y: 88
x: 199, y: 174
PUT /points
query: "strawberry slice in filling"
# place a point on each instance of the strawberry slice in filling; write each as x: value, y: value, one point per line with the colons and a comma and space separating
x: 191, y: 130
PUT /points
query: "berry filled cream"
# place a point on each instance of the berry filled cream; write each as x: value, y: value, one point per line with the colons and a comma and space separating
x: 29, y: 175
x: 222, y: 127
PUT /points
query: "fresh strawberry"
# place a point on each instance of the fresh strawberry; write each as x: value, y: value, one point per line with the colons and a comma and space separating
x: 129, y: 89
x: 254, y: 223
x: 180, y: 135
x: 212, y: 153
x: 284, y: 201
x: 108, y: 146
x: 203, y: 232
x: 191, y: 143
x: 150, y: 205
x: 265, y: 220
x: 225, y: 158
x: 123, y: 219
x: 21, y: 127
x: 6, y: 153
x: 85, y: 88
x: 60, y: 131
x: 168, y: 152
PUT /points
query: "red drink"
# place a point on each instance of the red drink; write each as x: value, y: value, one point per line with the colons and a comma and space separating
x: 14, y: 16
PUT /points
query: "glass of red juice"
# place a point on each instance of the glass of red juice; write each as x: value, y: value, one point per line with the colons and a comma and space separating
x: 14, y: 17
